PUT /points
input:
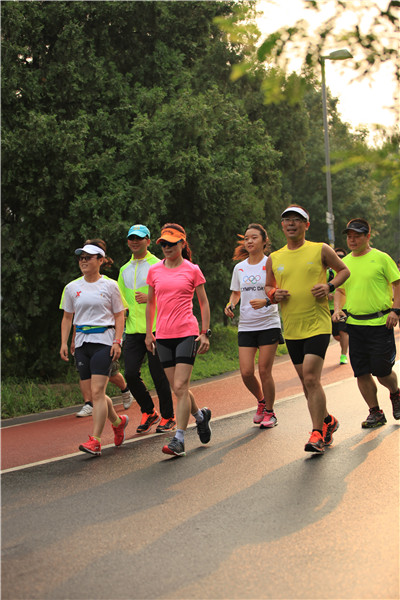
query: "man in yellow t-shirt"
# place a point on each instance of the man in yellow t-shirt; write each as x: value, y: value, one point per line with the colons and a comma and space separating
x: 372, y: 296
x: 296, y: 278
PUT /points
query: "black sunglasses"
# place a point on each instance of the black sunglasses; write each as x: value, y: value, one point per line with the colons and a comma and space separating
x: 165, y: 244
x: 87, y: 257
x: 137, y: 238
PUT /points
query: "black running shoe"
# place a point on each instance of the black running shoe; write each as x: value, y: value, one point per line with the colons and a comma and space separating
x: 395, y: 400
x: 374, y: 419
x: 203, y: 428
x: 174, y: 448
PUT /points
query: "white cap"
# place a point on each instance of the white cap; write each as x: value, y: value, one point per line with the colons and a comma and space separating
x: 296, y: 209
x: 90, y: 249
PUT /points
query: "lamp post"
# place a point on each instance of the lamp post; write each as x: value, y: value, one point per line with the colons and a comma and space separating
x: 335, y: 55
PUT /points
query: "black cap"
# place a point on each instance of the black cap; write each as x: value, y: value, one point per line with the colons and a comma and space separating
x: 356, y: 226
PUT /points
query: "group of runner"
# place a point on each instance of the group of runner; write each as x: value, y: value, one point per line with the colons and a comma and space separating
x: 160, y: 323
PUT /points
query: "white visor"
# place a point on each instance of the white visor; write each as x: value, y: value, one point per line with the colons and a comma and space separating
x: 90, y: 249
x: 297, y: 210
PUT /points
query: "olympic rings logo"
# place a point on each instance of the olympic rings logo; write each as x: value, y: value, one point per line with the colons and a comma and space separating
x: 251, y: 279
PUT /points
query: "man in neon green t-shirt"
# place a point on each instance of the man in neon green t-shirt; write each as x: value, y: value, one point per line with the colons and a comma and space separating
x: 372, y: 296
x: 133, y: 286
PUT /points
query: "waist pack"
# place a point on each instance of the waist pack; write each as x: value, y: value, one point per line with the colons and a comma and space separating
x: 371, y: 315
x: 93, y: 328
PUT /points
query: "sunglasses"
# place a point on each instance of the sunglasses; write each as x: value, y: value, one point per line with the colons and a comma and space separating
x: 137, y: 238
x: 87, y: 257
x: 165, y: 244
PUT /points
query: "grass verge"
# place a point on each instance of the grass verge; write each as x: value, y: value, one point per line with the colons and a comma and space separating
x: 22, y: 397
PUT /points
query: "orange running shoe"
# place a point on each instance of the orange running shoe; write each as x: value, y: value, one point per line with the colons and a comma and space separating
x: 166, y: 425
x: 329, y: 429
x: 147, y: 421
x: 315, y: 443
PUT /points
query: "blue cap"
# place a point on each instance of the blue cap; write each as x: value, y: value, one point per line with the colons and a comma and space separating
x: 139, y: 230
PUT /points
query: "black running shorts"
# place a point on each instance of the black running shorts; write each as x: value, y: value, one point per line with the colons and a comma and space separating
x: 263, y: 337
x: 372, y: 349
x: 177, y: 350
x: 93, y: 359
x: 317, y: 344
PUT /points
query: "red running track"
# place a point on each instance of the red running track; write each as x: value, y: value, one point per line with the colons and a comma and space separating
x: 60, y: 436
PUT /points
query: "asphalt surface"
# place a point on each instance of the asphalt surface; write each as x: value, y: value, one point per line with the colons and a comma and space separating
x: 250, y: 515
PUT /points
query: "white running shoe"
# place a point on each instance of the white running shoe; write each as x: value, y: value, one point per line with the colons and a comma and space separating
x: 127, y: 399
x: 86, y: 411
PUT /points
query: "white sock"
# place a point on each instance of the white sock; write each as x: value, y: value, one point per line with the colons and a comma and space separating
x: 180, y: 435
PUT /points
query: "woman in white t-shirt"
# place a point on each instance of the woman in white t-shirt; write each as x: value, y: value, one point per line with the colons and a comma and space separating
x: 259, y: 322
x: 93, y: 303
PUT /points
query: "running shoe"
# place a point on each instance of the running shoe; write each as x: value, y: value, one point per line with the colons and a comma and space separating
x: 166, y: 425
x: 258, y: 417
x: 269, y: 420
x: 374, y: 419
x: 395, y: 400
x: 127, y: 399
x: 147, y: 421
x: 203, y: 428
x: 329, y: 429
x: 119, y: 431
x: 343, y: 359
x: 315, y: 443
x: 91, y: 447
x: 86, y: 411
x: 174, y: 448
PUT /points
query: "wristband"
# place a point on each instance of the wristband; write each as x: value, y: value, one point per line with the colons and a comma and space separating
x: 119, y: 342
x: 230, y: 305
x: 271, y: 296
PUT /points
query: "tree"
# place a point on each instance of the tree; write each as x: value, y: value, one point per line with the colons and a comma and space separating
x: 105, y: 123
x: 371, y: 36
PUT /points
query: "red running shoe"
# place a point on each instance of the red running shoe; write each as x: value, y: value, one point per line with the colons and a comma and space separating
x: 119, y: 431
x: 91, y: 447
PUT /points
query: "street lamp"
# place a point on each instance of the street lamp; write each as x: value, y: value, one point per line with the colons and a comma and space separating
x: 335, y: 55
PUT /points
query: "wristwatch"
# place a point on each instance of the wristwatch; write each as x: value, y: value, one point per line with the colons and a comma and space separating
x: 207, y: 332
x: 397, y: 311
x: 331, y: 287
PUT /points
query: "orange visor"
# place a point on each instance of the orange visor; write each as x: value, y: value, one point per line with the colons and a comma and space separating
x: 171, y: 235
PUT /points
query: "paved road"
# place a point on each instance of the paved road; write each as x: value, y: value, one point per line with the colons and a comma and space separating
x: 248, y: 516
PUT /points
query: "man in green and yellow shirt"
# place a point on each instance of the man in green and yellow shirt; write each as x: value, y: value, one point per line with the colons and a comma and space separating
x: 372, y: 296
x: 133, y: 286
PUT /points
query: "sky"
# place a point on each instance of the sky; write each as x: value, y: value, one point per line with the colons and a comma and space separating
x: 361, y: 103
